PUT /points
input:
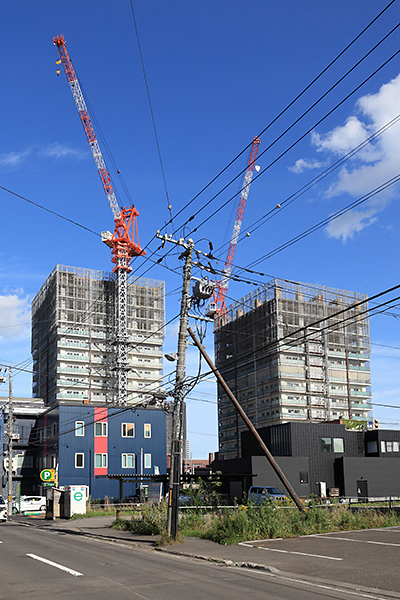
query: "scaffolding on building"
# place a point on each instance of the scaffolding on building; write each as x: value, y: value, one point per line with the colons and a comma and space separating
x: 72, y: 336
x: 299, y: 350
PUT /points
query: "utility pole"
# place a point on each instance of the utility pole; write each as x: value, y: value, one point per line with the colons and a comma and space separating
x: 176, y: 446
x: 10, y: 442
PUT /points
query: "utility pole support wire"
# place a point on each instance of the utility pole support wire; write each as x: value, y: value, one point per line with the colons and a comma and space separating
x: 249, y: 424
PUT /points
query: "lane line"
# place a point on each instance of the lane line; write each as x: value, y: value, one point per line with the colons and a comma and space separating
x: 338, y: 589
x: 302, y: 553
x: 53, y: 564
x: 358, y: 541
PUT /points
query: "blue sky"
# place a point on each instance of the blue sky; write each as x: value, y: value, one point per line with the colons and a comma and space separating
x: 218, y: 73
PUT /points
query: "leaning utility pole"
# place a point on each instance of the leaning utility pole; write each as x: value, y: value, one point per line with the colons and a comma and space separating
x: 176, y: 446
x: 10, y: 442
x: 249, y: 424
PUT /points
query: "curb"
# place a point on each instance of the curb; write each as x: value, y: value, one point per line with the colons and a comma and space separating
x: 221, y: 561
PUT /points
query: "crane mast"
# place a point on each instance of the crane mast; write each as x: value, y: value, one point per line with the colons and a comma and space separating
x: 122, y: 241
x: 221, y: 287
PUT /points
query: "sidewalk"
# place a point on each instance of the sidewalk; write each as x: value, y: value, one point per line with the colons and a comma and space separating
x: 237, y: 555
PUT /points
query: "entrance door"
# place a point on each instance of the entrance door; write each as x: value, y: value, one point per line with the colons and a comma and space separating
x: 362, y: 490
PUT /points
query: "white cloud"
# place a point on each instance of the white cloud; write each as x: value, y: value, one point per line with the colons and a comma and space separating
x: 13, y: 159
x: 375, y: 164
x: 14, y: 316
x: 303, y: 164
x: 57, y: 150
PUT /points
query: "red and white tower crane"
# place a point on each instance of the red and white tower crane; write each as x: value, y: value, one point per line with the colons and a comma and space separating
x: 218, y: 306
x: 122, y: 241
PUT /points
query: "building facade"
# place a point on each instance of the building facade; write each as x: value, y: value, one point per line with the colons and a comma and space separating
x: 320, y: 459
x: 292, y: 352
x: 24, y: 463
x: 85, y: 443
x: 72, y: 327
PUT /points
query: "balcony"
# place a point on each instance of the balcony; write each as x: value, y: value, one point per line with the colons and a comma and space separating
x: 367, y: 394
x: 361, y: 406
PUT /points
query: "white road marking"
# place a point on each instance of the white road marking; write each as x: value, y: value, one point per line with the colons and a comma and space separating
x: 331, y: 537
x: 249, y: 545
x: 53, y: 564
x: 340, y: 590
x: 302, y: 553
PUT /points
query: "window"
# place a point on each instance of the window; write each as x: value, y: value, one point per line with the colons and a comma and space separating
x: 54, y: 430
x: 372, y: 447
x: 128, y: 430
x: 100, y: 461
x: 147, y: 430
x: 383, y: 446
x: 128, y: 461
x: 79, y: 428
x: 389, y: 446
x: 100, y: 429
x: 20, y: 460
x: 147, y: 461
x: 395, y: 446
x: 338, y: 445
x: 326, y: 444
x: 79, y: 460
x: 303, y: 476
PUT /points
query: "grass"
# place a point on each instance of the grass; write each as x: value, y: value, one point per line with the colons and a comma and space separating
x: 245, y: 523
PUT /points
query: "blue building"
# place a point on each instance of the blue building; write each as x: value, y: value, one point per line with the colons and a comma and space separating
x: 85, y: 441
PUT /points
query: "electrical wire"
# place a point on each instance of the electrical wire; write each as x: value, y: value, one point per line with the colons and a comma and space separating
x: 152, y: 114
x: 288, y: 106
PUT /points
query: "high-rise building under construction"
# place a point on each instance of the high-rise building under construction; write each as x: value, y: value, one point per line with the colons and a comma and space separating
x: 293, y: 352
x: 72, y: 336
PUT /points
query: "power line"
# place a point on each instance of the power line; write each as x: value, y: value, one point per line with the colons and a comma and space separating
x: 327, y: 220
x: 313, y: 182
x: 287, y: 107
x: 263, y: 171
x: 50, y: 211
x: 152, y: 114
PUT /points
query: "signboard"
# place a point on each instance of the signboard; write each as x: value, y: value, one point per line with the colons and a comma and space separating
x: 48, y: 475
x: 49, y: 484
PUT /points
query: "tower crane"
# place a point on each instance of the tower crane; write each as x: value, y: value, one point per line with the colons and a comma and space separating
x: 122, y: 241
x: 217, y: 306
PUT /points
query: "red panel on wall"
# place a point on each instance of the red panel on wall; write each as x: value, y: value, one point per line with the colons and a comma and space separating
x: 100, y: 442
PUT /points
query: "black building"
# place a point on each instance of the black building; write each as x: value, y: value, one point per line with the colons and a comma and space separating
x: 318, y: 458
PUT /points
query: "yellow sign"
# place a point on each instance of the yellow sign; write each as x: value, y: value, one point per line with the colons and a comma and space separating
x: 48, y: 475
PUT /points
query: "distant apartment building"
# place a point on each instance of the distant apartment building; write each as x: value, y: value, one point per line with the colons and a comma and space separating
x: 293, y: 352
x: 72, y: 326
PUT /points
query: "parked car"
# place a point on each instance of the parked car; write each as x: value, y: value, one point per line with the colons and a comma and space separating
x: 29, y: 504
x: 259, y: 494
x: 3, y: 510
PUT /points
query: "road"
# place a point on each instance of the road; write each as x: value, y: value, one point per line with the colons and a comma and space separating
x: 89, y: 568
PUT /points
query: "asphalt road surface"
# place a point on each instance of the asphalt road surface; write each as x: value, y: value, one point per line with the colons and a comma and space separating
x: 39, y: 564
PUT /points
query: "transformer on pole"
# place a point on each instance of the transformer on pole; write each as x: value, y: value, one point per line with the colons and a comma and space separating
x: 122, y: 241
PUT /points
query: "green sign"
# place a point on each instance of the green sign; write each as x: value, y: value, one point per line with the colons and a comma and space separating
x: 78, y: 496
x: 49, y: 484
